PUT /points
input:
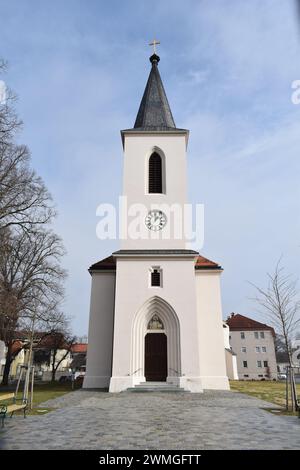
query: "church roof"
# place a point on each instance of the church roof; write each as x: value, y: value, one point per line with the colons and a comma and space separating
x: 205, y: 263
x: 237, y: 322
x: 109, y: 264
x: 154, y: 112
x: 105, y: 264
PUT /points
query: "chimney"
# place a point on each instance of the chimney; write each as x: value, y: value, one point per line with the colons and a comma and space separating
x: 230, y: 316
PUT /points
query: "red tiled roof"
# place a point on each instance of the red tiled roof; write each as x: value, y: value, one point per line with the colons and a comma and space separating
x: 109, y: 263
x: 44, y: 341
x: 52, y: 341
x: 22, y: 335
x: 16, y: 346
x: 79, y: 348
x: 237, y: 322
x: 105, y: 264
x: 205, y: 263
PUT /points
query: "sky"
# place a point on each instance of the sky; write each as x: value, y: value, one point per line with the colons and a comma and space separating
x: 79, y: 69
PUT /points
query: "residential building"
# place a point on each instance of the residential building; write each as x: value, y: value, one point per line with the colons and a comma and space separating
x: 43, y: 357
x: 253, y: 343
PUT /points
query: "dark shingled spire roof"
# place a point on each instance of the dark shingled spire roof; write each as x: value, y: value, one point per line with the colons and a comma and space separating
x: 154, y: 111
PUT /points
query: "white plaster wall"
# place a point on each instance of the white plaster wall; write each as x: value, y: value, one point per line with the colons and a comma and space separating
x: 231, y: 361
x: 137, y: 150
x: 281, y: 367
x: 235, y: 374
x: 99, y: 352
x: 210, y: 331
x: 226, y: 335
x: 296, y: 357
x: 132, y: 291
x: 231, y: 366
x: 65, y: 363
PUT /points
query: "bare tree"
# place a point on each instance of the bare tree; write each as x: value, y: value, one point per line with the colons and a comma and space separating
x: 31, y: 283
x: 62, y: 340
x: 24, y: 199
x: 31, y: 277
x: 10, y: 124
x: 280, y: 304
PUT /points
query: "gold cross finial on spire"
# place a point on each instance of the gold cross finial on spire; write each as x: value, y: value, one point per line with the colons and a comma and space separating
x: 154, y: 44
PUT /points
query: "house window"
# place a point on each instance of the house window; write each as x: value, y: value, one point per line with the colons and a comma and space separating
x: 258, y: 363
x: 155, y: 173
x: 245, y: 364
x: 244, y: 349
x: 262, y: 334
x: 265, y: 363
x: 256, y: 334
x: 246, y: 375
x: 257, y: 349
x: 242, y: 335
x: 263, y: 349
x: 260, y: 375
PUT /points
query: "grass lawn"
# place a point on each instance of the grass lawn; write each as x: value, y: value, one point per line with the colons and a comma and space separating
x: 43, y: 392
x: 274, y: 392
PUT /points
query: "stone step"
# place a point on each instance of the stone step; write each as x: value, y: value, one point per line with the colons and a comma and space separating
x: 162, y: 384
x: 156, y: 387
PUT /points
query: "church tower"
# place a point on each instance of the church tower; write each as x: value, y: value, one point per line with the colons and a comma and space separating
x: 155, y: 170
x: 155, y: 311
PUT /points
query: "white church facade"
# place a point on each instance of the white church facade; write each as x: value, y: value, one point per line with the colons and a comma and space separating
x: 155, y: 312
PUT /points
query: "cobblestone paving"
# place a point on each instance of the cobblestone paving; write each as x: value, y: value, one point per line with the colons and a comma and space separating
x: 98, y: 420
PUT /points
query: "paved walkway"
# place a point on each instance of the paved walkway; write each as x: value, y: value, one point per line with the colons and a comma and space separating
x: 96, y: 420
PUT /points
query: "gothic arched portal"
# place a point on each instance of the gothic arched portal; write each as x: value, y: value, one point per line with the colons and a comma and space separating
x: 155, y: 306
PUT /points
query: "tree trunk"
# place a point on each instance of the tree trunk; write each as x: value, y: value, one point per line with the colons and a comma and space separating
x: 53, y: 367
x: 8, y: 361
x: 287, y: 347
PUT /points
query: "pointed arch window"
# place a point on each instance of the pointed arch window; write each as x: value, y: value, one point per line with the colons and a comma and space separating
x: 155, y: 174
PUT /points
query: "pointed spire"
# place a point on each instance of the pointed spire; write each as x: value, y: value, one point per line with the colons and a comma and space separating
x: 154, y: 112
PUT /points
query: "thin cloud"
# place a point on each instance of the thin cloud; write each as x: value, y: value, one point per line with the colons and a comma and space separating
x: 227, y: 68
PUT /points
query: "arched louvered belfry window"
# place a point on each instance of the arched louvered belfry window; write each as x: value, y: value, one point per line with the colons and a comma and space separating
x: 155, y: 173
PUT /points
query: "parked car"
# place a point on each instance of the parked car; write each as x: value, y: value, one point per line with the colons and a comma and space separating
x: 281, y: 376
x: 65, y: 378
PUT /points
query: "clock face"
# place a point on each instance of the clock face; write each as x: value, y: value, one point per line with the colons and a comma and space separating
x: 155, y: 220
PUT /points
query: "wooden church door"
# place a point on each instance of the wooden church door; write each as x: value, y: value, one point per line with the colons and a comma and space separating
x: 156, y: 362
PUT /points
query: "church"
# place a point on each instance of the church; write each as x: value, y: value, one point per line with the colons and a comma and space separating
x: 155, y: 310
